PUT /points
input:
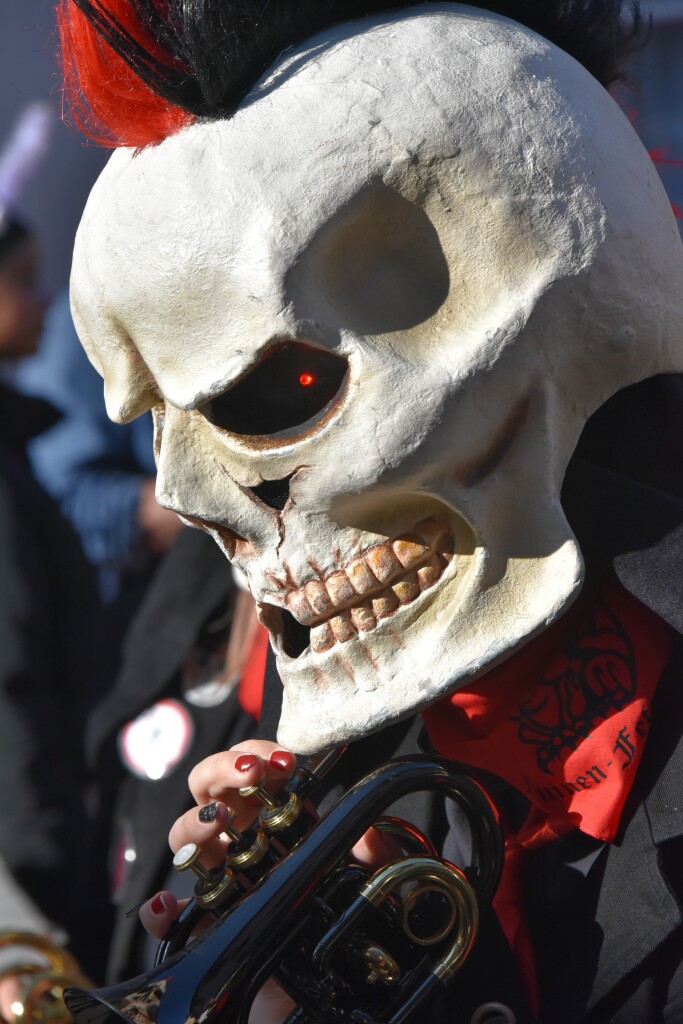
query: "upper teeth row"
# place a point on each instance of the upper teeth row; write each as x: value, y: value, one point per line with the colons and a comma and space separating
x: 373, y: 585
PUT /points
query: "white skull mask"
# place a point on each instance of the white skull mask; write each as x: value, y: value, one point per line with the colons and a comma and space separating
x: 373, y: 312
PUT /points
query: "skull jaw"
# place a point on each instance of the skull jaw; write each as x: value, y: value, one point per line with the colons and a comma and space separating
x: 434, y: 647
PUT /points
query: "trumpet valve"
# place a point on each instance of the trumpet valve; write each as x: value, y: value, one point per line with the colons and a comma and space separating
x: 249, y: 852
x: 214, y: 885
x: 279, y: 812
x: 270, y: 803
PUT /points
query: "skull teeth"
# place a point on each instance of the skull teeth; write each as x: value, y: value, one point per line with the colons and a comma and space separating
x: 318, y: 599
x: 407, y: 589
x: 364, y: 617
x: 386, y: 577
x: 339, y: 588
x: 384, y: 563
x: 429, y: 573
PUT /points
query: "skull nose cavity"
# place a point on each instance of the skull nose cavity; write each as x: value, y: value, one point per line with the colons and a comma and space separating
x: 290, y: 385
x: 273, y: 493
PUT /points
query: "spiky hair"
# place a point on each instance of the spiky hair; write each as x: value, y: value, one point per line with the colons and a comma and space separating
x: 136, y: 71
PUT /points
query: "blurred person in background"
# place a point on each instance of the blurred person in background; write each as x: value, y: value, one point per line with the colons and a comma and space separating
x: 186, y: 653
x: 49, y: 630
x: 100, y: 473
x: 181, y: 632
x: 190, y: 684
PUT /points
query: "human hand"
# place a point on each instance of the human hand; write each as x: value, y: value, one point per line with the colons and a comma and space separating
x: 22, y: 301
x: 272, y: 1005
x: 10, y: 990
x: 215, y: 785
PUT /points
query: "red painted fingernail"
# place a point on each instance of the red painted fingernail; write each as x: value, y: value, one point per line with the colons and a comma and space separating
x: 283, y: 760
x: 157, y: 906
x: 245, y: 762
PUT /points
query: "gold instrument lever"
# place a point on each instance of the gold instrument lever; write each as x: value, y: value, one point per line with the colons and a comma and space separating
x: 269, y: 802
x: 213, y: 886
x: 249, y: 852
x: 231, y: 832
x: 280, y: 814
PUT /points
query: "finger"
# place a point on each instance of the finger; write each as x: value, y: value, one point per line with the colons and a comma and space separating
x: 203, y: 826
x: 158, y: 914
x: 220, y: 776
x: 10, y: 991
x: 229, y: 769
x: 373, y: 850
x: 243, y: 765
x: 271, y: 1006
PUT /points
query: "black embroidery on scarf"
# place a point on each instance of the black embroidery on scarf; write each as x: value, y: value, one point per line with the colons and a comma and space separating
x: 597, y: 676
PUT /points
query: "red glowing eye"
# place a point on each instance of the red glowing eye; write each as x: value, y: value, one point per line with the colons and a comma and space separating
x: 306, y: 379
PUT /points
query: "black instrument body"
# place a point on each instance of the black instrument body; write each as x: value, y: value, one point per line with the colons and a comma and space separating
x: 320, y: 926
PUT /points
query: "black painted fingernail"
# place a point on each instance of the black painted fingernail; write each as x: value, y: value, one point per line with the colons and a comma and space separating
x: 133, y: 910
x: 208, y: 812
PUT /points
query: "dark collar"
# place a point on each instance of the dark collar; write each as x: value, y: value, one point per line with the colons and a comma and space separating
x: 23, y: 417
x: 623, y: 493
x: 632, y: 530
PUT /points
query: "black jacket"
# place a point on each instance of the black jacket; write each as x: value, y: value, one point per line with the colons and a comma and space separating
x: 192, y: 587
x: 49, y: 677
x: 609, y: 939
x: 608, y: 936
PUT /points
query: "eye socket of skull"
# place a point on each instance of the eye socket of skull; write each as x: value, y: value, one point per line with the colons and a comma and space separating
x: 378, y: 263
x: 292, y: 384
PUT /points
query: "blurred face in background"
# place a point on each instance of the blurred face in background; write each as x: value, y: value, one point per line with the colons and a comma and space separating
x: 22, y: 299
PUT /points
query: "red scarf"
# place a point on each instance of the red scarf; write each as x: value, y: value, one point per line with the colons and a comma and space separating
x: 566, y: 719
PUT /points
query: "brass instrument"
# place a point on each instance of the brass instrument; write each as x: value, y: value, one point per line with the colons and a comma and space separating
x: 43, y: 979
x: 345, y: 944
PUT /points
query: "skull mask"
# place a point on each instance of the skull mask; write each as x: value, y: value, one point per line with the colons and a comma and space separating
x: 372, y: 312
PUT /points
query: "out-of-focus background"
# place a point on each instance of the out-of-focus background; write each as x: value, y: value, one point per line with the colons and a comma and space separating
x: 655, y: 101
x: 54, y: 199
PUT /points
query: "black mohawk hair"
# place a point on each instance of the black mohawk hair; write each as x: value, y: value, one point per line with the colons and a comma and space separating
x: 203, y: 56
